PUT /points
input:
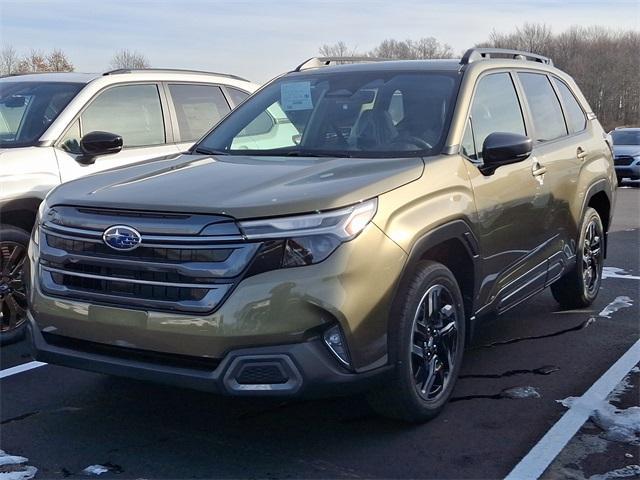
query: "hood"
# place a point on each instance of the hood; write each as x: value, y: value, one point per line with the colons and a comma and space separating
x: 633, y: 150
x: 242, y: 187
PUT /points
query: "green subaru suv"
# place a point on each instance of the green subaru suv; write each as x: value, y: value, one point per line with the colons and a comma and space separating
x: 341, y: 231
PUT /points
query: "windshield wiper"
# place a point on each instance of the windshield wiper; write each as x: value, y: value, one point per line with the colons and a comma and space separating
x: 312, y: 153
x: 207, y: 151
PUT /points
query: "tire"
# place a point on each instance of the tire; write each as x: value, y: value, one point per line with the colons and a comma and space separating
x: 418, y: 347
x: 579, y: 287
x: 13, y: 300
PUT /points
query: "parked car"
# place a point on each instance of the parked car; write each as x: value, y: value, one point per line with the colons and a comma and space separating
x: 626, y: 153
x: 355, y: 247
x: 55, y: 127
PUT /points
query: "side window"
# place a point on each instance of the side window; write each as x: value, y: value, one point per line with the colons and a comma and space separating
x: 576, y: 119
x: 70, y: 142
x: 237, y: 96
x: 548, y: 120
x: 468, y: 148
x: 495, y: 109
x: 198, y: 108
x: 131, y: 111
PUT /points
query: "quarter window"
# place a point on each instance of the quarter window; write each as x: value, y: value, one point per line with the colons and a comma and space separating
x: 70, y: 142
x: 495, y: 109
x: 546, y: 112
x: 237, y: 96
x: 576, y: 119
x: 131, y: 111
x: 198, y: 108
x: 468, y: 147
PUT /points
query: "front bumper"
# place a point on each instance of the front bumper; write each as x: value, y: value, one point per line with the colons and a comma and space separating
x: 301, y: 369
x: 628, y: 171
x: 353, y: 287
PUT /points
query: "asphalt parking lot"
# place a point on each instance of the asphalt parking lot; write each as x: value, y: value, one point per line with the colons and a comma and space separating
x: 64, y: 420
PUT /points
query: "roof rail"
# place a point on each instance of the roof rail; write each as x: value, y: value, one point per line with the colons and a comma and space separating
x: 119, y: 71
x: 475, y: 54
x: 317, y: 62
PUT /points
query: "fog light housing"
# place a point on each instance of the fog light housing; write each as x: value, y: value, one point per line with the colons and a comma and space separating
x: 335, y: 341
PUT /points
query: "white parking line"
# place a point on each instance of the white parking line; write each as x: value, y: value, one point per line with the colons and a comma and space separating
x: 549, y: 446
x: 626, y: 277
x: 7, y: 372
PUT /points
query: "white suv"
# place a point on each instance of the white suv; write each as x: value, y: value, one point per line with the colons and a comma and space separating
x: 55, y: 127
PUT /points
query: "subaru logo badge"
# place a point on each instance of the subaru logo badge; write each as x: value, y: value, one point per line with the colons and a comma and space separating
x: 122, y: 238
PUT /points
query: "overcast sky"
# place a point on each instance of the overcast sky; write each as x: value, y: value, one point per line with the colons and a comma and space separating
x: 262, y: 38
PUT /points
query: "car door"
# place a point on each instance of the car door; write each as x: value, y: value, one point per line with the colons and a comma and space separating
x: 560, y: 154
x: 133, y: 111
x: 510, y: 202
x: 195, y: 109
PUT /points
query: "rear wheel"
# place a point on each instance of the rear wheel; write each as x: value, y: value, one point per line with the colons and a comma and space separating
x: 579, y: 287
x: 427, y: 343
x: 13, y: 297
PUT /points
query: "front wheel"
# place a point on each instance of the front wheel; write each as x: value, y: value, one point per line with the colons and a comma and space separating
x: 13, y: 298
x: 426, y: 341
x: 579, y: 287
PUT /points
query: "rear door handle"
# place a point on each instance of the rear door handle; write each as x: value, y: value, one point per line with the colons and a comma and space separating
x: 581, y: 153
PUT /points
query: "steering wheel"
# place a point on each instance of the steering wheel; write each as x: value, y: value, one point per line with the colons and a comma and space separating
x: 418, y: 142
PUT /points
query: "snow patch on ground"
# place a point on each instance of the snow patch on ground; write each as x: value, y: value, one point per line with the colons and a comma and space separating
x: 95, y: 470
x: 609, y: 271
x: 617, y: 424
x: 617, y: 304
x: 521, y: 392
x: 624, y: 472
x: 12, y: 467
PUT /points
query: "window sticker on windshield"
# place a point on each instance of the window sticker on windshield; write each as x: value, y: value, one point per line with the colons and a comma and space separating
x: 296, y: 96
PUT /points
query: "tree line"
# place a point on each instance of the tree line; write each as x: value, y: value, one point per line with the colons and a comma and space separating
x: 605, y: 63
x: 37, y: 61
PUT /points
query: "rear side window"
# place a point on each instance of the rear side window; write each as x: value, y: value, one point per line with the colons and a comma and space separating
x: 131, y: 111
x: 237, y: 96
x: 576, y: 119
x: 198, y: 108
x: 495, y: 109
x: 548, y: 120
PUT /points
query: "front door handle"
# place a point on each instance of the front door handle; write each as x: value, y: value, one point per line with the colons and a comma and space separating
x: 537, y: 169
x: 581, y: 153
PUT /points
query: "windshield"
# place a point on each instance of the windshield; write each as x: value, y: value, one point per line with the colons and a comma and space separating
x: 626, y: 137
x: 28, y: 108
x: 366, y: 114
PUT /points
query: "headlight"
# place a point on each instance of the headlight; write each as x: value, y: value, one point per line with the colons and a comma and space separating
x: 345, y: 223
x: 35, y: 234
x: 306, y: 239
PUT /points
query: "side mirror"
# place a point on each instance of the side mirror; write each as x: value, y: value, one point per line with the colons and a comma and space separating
x: 98, y: 143
x: 501, y: 148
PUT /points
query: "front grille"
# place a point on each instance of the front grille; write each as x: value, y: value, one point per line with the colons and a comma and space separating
x: 173, y: 272
x: 623, y: 160
x: 261, y: 374
x: 143, y: 253
x: 125, y: 289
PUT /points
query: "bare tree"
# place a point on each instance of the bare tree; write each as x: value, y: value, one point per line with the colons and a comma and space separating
x: 129, y: 59
x: 422, y: 48
x: 8, y: 60
x: 603, y: 62
x: 57, y: 61
x: 35, y: 61
x: 339, y: 49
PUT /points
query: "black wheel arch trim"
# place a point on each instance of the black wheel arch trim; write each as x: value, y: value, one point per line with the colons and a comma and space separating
x: 596, y: 187
x: 459, y: 230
